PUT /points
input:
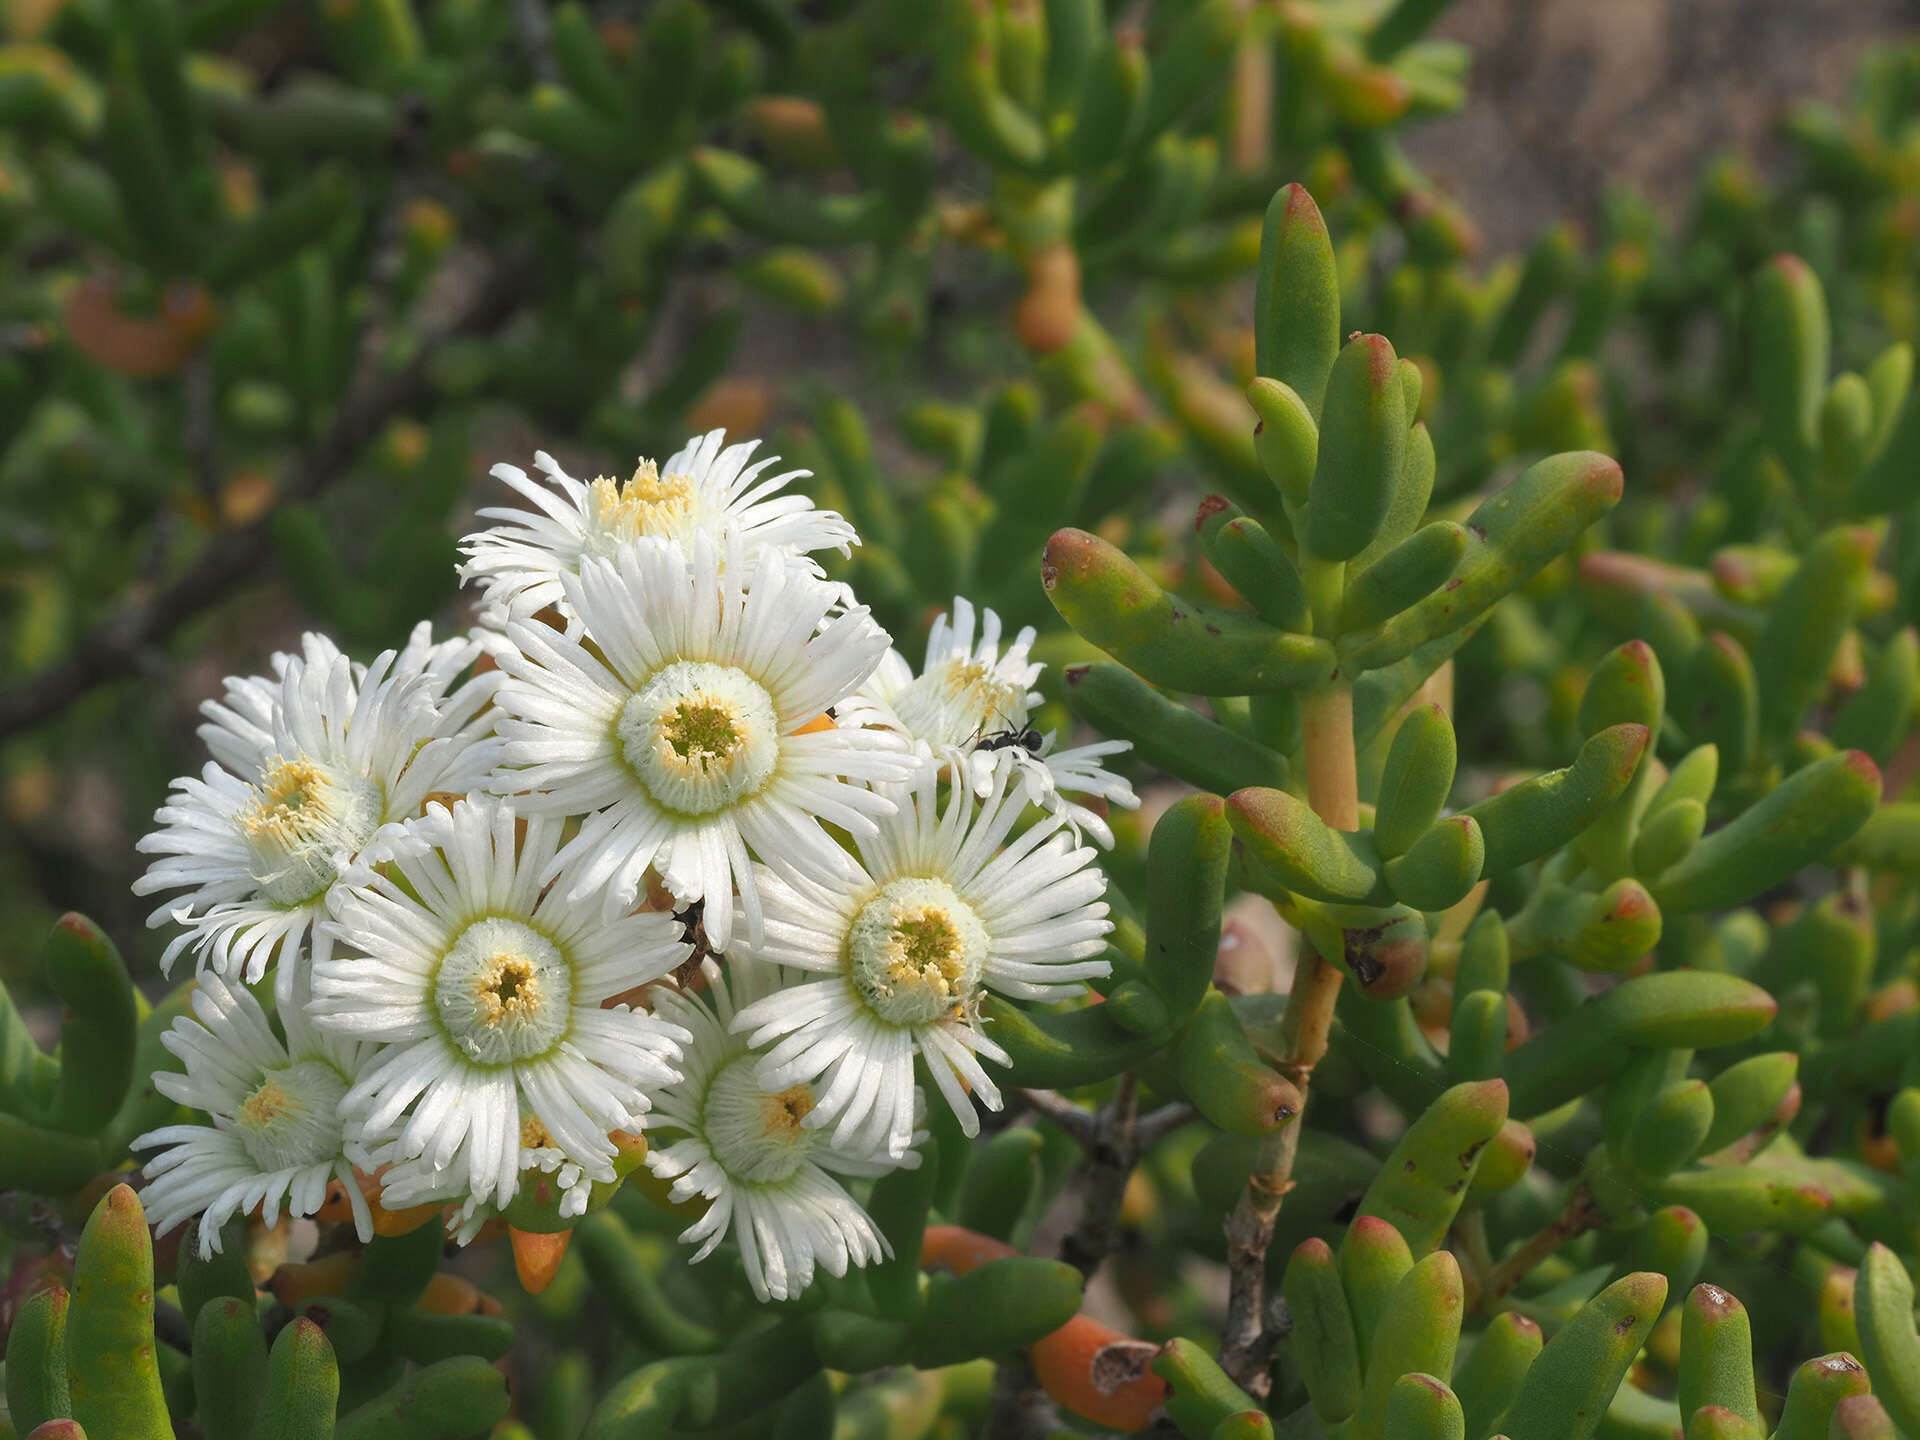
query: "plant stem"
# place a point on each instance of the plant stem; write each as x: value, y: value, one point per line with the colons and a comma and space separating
x: 1103, y: 1184
x: 1252, y: 88
x: 1574, y: 1221
x: 1333, y: 791
x: 1156, y: 1125
x: 1333, y: 787
x: 1020, y: 1409
x: 1080, y: 1123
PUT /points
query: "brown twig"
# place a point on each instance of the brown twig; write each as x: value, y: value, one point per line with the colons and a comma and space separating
x: 1243, y: 1347
x: 115, y: 647
x: 1899, y: 774
x: 534, y: 31
x: 199, y: 432
x: 1103, y: 1184
x: 1113, y: 1140
x: 1154, y: 1126
x: 1245, y: 1340
x: 1579, y: 1217
x: 1082, y: 1125
x: 1251, y: 86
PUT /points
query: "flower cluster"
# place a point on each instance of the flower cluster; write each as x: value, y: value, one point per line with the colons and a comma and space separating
x: 672, y: 851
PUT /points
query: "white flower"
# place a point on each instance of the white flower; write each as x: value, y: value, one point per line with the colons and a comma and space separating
x: 906, y: 939
x: 487, y: 991
x: 694, y: 728
x: 276, y: 1133
x: 702, y: 488
x: 747, y: 1149
x: 311, y: 771
x: 973, y: 701
x: 964, y: 692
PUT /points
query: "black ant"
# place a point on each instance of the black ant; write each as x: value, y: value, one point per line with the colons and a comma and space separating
x: 1024, y: 736
x: 1028, y: 739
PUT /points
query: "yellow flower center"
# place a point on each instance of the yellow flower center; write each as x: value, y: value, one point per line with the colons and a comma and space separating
x: 284, y: 792
x: 504, y: 992
x: 958, y: 701
x: 759, y: 1137
x: 700, y: 736
x: 926, y: 948
x: 511, y: 987
x: 290, y: 1119
x: 534, y: 1135
x: 786, y: 1111
x: 299, y: 816
x: 647, y: 504
x: 702, y: 730
x: 265, y: 1105
x: 916, y: 951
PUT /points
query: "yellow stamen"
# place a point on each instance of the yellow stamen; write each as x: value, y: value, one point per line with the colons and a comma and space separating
x: 290, y: 798
x: 786, y: 1111
x: 649, y: 502
x: 533, y: 1134
x: 509, y: 987
x: 926, y: 950
x: 265, y: 1105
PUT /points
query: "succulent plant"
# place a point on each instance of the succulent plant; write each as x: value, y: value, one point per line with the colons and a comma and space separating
x: 1535, y: 640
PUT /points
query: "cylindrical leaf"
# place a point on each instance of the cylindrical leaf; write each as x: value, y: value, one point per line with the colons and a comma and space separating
x: 1801, y: 820
x: 1422, y: 1182
x: 1113, y: 603
x: 1186, y: 878
x: 1567, y: 1388
x: 112, y: 1375
x: 1363, y: 439
x: 1716, y: 1355
x: 1296, y: 304
x: 1326, y: 1350
x: 1167, y: 734
x: 1883, y: 1309
x: 36, y: 1371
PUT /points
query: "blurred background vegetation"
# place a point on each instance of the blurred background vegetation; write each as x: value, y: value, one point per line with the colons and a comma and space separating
x: 279, y: 282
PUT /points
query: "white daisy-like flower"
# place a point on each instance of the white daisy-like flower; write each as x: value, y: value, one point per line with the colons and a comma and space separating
x: 520, y: 561
x: 276, y: 1134
x: 965, y: 691
x: 748, y: 1150
x: 905, y: 940
x: 973, y: 701
x: 697, y: 725
x: 312, y: 770
x: 487, y: 990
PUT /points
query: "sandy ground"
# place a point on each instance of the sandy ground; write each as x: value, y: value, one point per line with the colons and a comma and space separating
x: 1570, y: 96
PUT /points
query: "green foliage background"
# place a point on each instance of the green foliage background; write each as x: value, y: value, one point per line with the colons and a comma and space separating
x: 281, y: 281
x: 314, y: 192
